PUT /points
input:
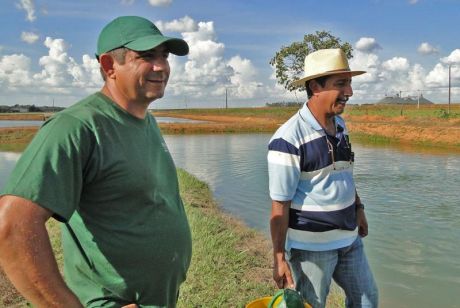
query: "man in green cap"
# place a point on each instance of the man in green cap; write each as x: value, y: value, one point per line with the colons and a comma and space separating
x: 102, y: 168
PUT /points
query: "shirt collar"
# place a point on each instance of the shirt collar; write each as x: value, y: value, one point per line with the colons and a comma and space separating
x: 309, y: 118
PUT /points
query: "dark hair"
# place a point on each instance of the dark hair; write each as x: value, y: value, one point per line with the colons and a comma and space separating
x: 321, y: 80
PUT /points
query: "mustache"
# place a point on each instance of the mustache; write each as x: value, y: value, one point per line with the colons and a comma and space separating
x: 157, y: 76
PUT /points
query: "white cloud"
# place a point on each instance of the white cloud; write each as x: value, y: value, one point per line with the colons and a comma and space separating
x: 426, y: 49
x: 368, y: 62
x: 29, y: 7
x: 396, y: 64
x: 244, y: 78
x: 412, y: 1
x: 205, y: 66
x: 438, y: 76
x: 60, y: 74
x: 205, y: 73
x: 160, y: 2
x: 184, y: 24
x: 54, y: 64
x: 127, y: 2
x: 367, y: 44
x: 15, y: 71
x: 453, y: 58
x: 29, y: 37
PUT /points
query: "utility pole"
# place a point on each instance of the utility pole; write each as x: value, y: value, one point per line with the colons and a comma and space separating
x: 448, y: 107
x: 226, y: 106
x: 418, y: 100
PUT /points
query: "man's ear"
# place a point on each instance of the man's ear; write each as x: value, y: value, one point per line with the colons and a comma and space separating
x: 315, y: 87
x: 107, y: 62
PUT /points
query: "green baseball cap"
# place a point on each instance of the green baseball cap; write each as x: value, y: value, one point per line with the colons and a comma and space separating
x: 136, y: 33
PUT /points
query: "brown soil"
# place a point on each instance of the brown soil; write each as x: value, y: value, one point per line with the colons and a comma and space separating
x: 17, y: 135
x: 428, y: 131
x: 24, y: 116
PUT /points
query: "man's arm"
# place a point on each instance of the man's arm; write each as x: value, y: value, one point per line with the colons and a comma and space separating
x: 279, y: 222
x: 26, y: 255
x: 361, y: 220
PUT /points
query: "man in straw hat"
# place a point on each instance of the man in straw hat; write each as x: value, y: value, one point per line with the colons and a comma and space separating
x: 103, y: 169
x: 317, y: 218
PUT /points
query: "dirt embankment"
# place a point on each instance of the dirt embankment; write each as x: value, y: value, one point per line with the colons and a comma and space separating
x: 216, y: 124
x: 427, y: 130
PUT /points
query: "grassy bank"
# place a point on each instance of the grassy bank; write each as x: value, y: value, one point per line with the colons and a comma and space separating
x: 231, y: 264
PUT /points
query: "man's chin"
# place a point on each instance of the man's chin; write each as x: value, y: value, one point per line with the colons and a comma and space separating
x: 340, y: 108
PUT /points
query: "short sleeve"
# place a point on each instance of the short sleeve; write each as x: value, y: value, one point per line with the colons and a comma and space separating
x: 283, y: 169
x: 50, y: 171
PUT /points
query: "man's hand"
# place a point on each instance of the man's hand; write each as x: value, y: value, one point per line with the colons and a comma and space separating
x: 130, y: 306
x: 282, y: 275
x: 361, y: 221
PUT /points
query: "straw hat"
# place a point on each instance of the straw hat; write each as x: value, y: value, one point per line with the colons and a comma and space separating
x: 325, y: 62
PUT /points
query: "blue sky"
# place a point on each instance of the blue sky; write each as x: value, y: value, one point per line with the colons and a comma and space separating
x: 47, y: 47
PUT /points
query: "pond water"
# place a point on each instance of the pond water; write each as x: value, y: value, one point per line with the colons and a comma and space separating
x: 8, y: 123
x: 412, y: 205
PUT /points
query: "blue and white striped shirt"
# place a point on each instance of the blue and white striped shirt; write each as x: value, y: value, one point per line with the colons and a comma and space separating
x: 315, y: 172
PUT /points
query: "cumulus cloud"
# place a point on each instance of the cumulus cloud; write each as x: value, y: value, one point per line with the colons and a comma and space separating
x: 453, y: 58
x: 160, y: 2
x: 205, y: 65
x: 205, y: 73
x: 396, y: 64
x: 438, y: 76
x: 426, y: 49
x: 29, y: 7
x: 367, y: 44
x: 29, y: 37
x: 368, y: 62
x: 59, y: 74
x: 15, y: 71
x: 184, y: 24
x: 244, y: 77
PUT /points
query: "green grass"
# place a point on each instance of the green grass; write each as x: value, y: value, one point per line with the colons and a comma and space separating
x: 410, y: 111
x: 231, y: 263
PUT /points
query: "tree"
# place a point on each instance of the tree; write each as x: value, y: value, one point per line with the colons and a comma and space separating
x: 289, y: 60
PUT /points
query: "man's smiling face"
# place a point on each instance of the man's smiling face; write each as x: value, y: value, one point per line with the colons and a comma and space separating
x: 144, y: 75
x: 335, y: 93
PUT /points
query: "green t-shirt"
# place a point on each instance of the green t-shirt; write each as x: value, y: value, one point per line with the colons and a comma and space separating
x: 112, y: 178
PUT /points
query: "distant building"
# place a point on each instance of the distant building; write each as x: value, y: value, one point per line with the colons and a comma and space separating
x: 405, y: 100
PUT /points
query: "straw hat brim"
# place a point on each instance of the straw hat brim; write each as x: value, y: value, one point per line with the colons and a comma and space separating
x: 301, y: 82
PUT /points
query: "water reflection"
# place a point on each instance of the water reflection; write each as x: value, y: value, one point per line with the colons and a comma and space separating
x: 4, y: 123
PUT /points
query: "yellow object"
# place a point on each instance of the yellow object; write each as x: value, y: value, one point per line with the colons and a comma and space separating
x: 264, y: 301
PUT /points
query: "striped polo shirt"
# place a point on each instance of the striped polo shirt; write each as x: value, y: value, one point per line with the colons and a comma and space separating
x: 314, y: 171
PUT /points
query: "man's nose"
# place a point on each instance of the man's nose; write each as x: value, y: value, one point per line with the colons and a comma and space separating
x: 160, y: 64
x: 348, y: 91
